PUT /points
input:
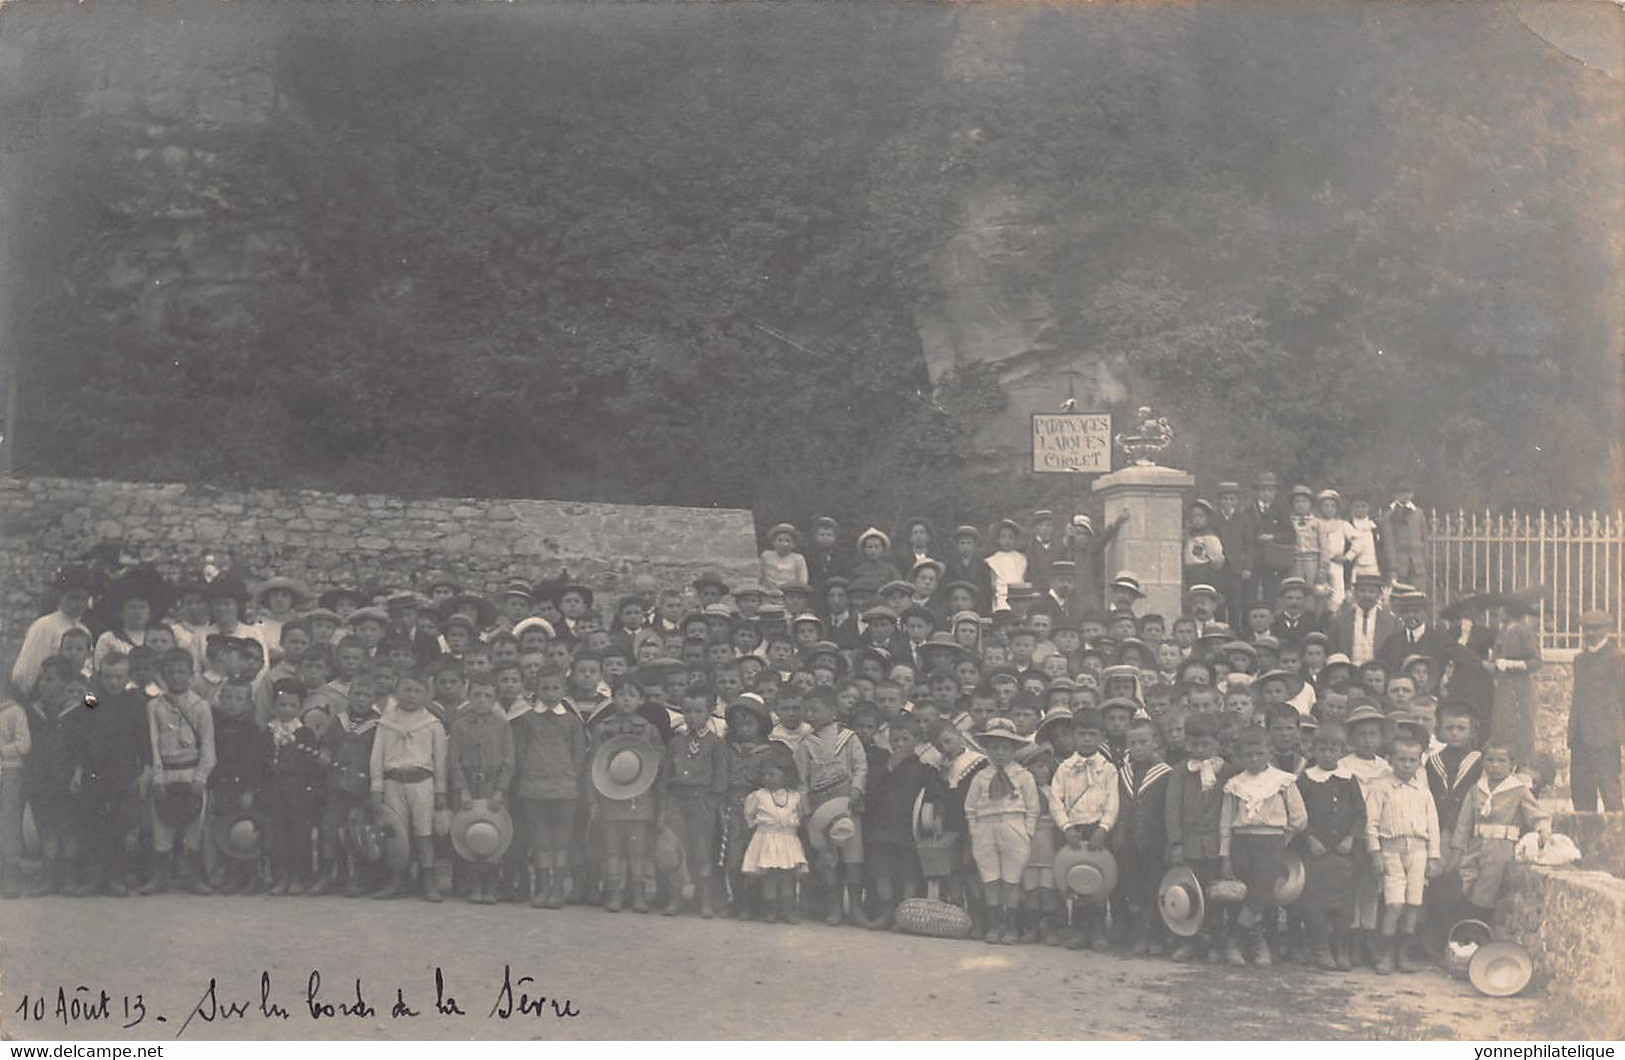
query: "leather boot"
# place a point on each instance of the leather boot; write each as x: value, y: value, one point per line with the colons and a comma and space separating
x: 544, y: 889
x: 674, y: 905
x: 1404, y: 945
x: 426, y: 873
x: 158, y: 882
x: 1261, y: 948
x: 199, y: 878
x: 995, y: 924
x: 788, y: 913
x: 640, y: 896
x: 556, y: 893
x: 1323, y: 950
x: 1232, y: 948
x: 1385, y: 954
x: 612, y: 896
x: 1343, y: 951
x: 706, y: 885
x: 392, y: 886
x: 323, y: 884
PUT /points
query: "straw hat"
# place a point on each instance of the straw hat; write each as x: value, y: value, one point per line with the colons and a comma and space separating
x: 300, y: 591
x: 1500, y: 969
x: 1289, y: 888
x: 240, y: 834
x: 831, y: 823
x: 1087, y: 874
x: 480, y: 833
x: 625, y: 767
x: 1179, y: 899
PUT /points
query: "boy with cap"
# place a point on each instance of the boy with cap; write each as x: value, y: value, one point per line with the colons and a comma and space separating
x: 347, y: 748
x: 1001, y: 811
x: 693, y: 784
x: 110, y: 750
x: 1404, y: 532
x: 1140, y: 840
x: 1084, y: 803
x: 238, y: 774
x: 1268, y: 523
x: 408, y: 773
x: 1087, y: 551
x: 1402, y: 835
x: 1596, y: 723
x: 480, y: 764
x: 832, y: 763
x: 626, y: 826
x: 1262, y: 811
x: 181, y: 730
x: 550, y: 754
x: 1195, y: 801
x: 292, y: 771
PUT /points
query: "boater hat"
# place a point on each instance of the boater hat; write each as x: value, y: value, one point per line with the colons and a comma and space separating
x: 1179, y: 899
x: 1500, y: 969
x: 1088, y: 874
x: 831, y: 823
x: 481, y: 834
x: 240, y: 834
x: 300, y: 591
x: 1289, y: 888
x: 625, y: 767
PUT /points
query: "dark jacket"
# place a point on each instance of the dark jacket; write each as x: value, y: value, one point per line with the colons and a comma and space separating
x: 348, y: 745
x: 1599, y: 697
x: 891, y: 796
x: 1336, y: 811
x: 1142, y: 816
x: 239, y: 755
x: 110, y: 744
x: 1450, y: 783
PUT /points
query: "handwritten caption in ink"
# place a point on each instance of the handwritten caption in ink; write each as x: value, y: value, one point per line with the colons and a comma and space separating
x: 518, y: 996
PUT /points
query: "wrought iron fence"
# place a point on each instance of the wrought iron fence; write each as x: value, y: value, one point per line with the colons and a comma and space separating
x: 1579, y: 558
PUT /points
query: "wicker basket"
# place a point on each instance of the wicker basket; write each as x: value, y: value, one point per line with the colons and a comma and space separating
x: 932, y: 917
x: 937, y: 855
x: 1464, y: 940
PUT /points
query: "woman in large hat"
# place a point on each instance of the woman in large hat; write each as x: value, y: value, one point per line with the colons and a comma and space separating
x: 133, y: 601
x: 1514, y: 660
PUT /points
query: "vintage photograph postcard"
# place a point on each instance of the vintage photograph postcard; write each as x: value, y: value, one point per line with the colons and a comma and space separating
x: 811, y: 519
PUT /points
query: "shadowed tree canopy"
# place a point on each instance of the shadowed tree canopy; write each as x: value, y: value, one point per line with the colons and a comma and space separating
x: 675, y: 254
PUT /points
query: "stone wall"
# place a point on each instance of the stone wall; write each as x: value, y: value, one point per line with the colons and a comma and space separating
x: 1572, y: 922
x: 329, y: 539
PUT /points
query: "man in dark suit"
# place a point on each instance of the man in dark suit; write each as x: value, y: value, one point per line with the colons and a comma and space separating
x: 1415, y: 637
x: 1596, y: 728
x: 1363, y: 625
x: 1230, y: 522
x: 1292, y: 621
x: 1267, y: 521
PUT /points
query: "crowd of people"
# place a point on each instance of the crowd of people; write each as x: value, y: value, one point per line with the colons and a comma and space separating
x: 990, y: 720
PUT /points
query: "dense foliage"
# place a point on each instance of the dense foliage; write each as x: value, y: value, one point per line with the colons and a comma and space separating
x: 674, y: 254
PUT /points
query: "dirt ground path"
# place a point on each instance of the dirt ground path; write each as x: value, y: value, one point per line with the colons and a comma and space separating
x: 630, y: 976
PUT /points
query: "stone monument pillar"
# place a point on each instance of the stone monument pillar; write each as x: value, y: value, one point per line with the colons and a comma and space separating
x: 1151, y: 543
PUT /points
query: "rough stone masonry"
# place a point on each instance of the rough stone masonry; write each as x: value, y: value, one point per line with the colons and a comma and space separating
x: 330, y: 539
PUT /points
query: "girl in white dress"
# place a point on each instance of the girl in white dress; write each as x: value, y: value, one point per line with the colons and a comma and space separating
x: 774, y: 810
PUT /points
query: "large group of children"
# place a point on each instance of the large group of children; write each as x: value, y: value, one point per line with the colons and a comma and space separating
x: 800, y: 727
